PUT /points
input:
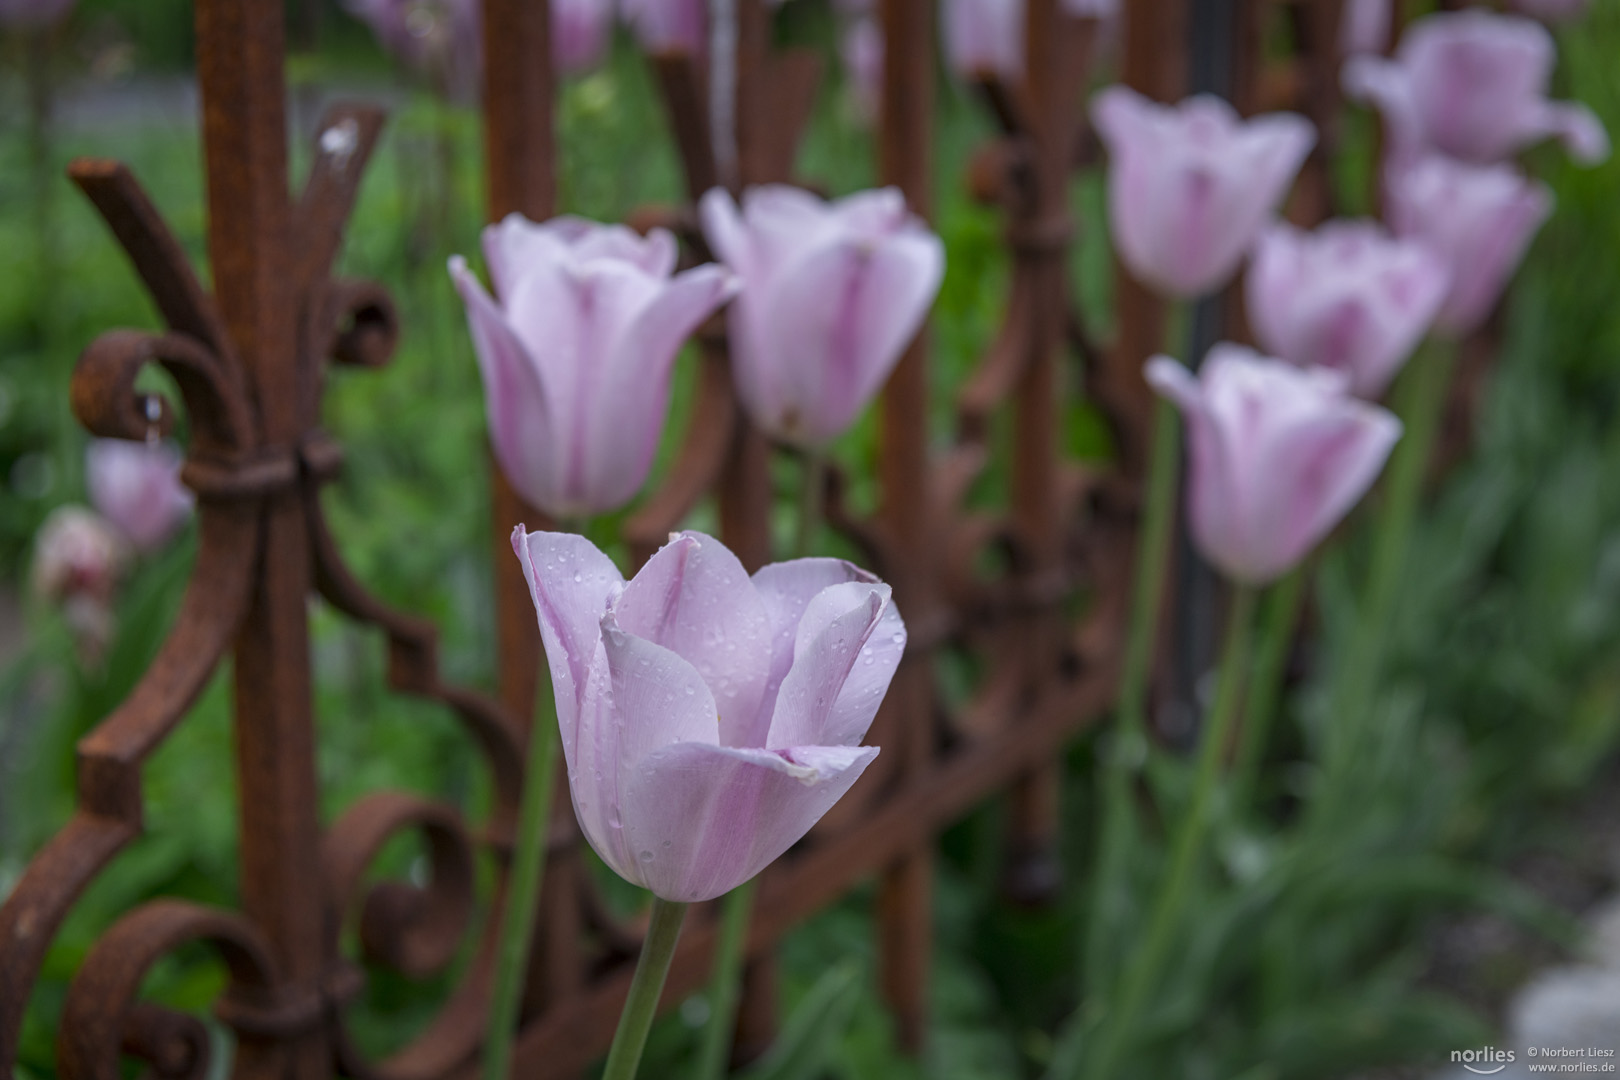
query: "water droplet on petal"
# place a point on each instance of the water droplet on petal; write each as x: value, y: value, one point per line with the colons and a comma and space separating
x: 646, y: 856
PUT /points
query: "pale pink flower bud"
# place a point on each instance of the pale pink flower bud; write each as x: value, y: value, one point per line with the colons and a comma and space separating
x: 79, y: 558
x: 1347, y: 297
x: 1191, y: 185
x: 1364, y: 26
x: 832, y: 294
x: 136, y: 486
x: 581, y: 31
x: 984, y: 37
x: 708, y: 719
x: 861, y: 49
x: 1473, y: 85
x: 1479, y: 219
x: 669, y: 25
x: 576, y: 353
x: 1279, y: 455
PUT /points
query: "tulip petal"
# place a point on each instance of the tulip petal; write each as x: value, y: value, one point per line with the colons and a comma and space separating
x: 631, y: 401
x: 572, y: 584
x: 517, y: 396
x: 694, y: 598
x: 829, y: 645
x: 1578, y: 128
x: 723, y: 229
x: 901, y: 280
x: 1385, y: 85
x: 703, y: 819
x: 786, y: 589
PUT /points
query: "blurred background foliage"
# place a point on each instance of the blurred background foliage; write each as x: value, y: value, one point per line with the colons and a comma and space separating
x: 1318, y: 949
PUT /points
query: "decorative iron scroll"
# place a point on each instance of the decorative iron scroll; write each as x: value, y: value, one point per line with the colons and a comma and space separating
x: 247, y: 360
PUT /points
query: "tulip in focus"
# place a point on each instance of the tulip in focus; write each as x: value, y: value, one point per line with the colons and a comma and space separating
x: 1191, y: 185
x: 1348, y: 297
x: 708, y: 719
x: 832, y: 294
x: 136, y: 486
x: 1473, y: 85
x: 26, y: 13
x: 669, y: 25
x: 576, y: 350
x: 984, y: 36
x: 1279, y: 455
x: 1479, y: 219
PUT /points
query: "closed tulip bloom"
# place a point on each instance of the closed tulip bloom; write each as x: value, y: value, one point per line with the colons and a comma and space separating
x: 861, y: 49
x: 1191, y: 185
x: 1479, y: 219
x: 580, y: 33
x: 136, y: 486
x: 832, y: 294
x: 984, y: 37
x: 440, y: 37
x: 669, y: 25
x: 576, y: 350
x: 1349, y: 297
x: 1364, y: 26
x: 1473, y: 85
x: 1279, y: 455
x: 708, y: 719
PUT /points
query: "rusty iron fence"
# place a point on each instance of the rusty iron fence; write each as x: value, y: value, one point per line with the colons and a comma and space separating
x: 248, y: 359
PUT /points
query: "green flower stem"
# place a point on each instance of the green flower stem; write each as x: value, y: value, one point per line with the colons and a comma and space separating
x: 1277, y: 624
x: 1147, y: 966
x: 714, y: 1053
x: 1421, y: 399
x: 812, y: 493
x: 663, y: 931
x: 523, y: 891
x: 1129, y: 746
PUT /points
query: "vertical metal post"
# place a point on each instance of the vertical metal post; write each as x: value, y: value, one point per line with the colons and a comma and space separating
x: 240, y: 54
x: 905, y: 898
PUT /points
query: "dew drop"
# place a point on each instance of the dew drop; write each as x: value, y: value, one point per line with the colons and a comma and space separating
x: 646, y: 856
x: 578, y: 577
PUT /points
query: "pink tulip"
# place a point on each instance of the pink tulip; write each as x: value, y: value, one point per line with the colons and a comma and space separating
x: 1473, y: 85
x: 136, y: 486
x: 24, y: 13
x: 577, y: 352
x: 984, y: 36
x: 832, y: 294
x: 1479, y: 219
x: 79, y: 558
x: 1364, y: 26
x: 862, y: 51
x: 441, y: 37
x: 1279, y: 455
x: 580, y: 33
x: 1347, y: 297
x: 1191, y: 185
x: 669, y: 25
x: 708, y: 719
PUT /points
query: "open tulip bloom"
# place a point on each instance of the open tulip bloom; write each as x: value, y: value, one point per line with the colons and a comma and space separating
x: 708, y: 719
x: 1279, y: 455
x: 1347, y: 297
x: 832, y: 293
x: 1191, y: 185
x: 1473, y: 85
x: 984, y: 37
x: 576, y: 353
x: 1479, y: 219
